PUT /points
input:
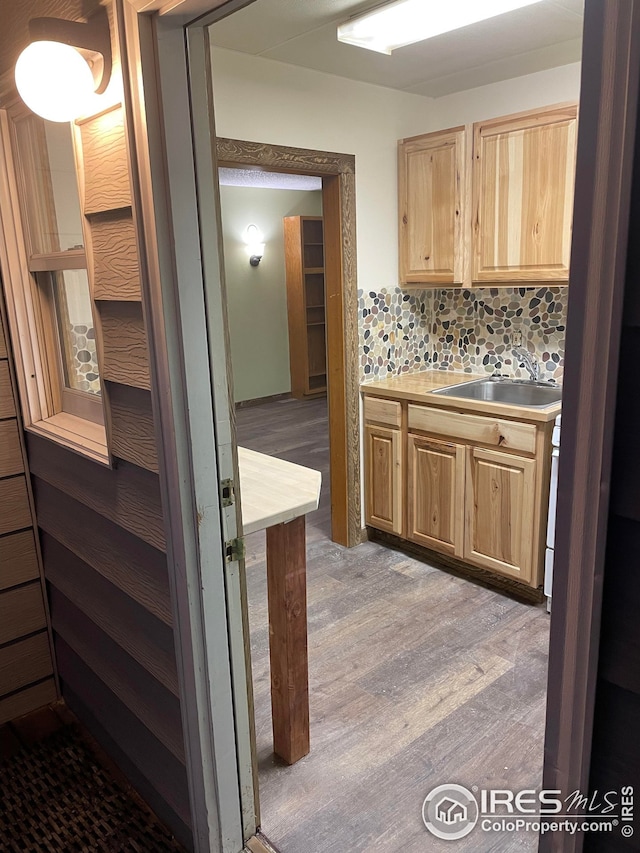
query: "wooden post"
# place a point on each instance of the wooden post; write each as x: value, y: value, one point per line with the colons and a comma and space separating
x: 287, y: 589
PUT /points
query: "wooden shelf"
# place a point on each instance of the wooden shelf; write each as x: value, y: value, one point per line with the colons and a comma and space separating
x: 304, y: 256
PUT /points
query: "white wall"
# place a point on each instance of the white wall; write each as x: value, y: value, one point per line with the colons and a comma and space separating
x: 257, y: 296
x: 509, y: 96
x: 261, y: 100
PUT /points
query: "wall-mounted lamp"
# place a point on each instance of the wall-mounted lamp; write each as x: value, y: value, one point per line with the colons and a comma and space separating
x: 255, y: 244
x: 66, y: 64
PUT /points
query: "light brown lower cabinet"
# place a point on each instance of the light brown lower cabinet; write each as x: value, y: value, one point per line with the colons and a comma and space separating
x: 435, y: 494
x: 383, y: 478
x: 500, y: 512
x: 472, y: 486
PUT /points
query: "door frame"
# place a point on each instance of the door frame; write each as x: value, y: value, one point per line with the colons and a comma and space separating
x: 341, y: 300
x: 606, y: 139
x: 176, y: 42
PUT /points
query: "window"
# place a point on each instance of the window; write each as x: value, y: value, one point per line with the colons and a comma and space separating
x: 60, y: 370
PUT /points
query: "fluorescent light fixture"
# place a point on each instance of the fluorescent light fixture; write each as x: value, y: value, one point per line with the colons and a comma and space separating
x: 403, y: 22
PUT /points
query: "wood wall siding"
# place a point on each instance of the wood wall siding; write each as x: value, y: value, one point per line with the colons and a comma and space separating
x: 26, y: 666
x: 102, y: 528
x: 615, y: 754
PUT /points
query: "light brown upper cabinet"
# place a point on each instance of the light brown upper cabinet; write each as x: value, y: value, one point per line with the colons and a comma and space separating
x: 523, y: 182
x: 432, y: 195
x: 490, y: 204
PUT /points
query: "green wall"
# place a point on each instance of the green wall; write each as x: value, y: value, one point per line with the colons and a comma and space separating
x: 257, y: 296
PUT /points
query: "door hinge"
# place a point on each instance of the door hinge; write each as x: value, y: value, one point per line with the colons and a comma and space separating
x: 234, y: 550
x: 227, y: 490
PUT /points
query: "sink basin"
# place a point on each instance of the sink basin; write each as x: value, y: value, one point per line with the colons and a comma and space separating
x: 515, y: 392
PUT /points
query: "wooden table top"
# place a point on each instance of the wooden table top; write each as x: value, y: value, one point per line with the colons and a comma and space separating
x: 274, y: 491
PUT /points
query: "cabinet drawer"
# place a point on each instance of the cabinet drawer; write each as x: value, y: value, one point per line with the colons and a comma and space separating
x: 379, y: 411
x: 508, y: 435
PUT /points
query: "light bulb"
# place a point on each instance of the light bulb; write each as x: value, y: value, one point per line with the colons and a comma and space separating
x: 54, y: 80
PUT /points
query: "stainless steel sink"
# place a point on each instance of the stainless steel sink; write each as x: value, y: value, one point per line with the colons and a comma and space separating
x: 516, y: 392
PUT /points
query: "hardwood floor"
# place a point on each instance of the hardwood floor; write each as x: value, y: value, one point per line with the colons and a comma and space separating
x: 417, y: 678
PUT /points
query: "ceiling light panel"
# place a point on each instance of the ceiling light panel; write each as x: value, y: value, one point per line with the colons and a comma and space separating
x: 394, y: 25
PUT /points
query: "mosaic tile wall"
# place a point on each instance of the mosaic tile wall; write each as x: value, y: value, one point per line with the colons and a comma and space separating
x: 405, y: 331
x: 84, y: 359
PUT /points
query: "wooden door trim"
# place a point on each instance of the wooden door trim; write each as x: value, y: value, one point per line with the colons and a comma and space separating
x: 606, y: 138
x: 341, y: 293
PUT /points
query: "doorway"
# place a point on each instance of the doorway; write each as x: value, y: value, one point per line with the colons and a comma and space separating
x: 337, y: 173
x: 571, y: 703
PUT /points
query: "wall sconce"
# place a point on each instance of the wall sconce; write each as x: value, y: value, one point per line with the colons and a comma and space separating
x: 255, y: 244
x: 65, y: 66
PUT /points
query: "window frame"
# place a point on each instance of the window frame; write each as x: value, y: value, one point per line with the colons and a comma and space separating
x: 72, y: 418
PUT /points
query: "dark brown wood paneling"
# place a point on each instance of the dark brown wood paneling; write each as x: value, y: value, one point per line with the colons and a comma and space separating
x: 127, y: 495
x: 3, y: 342
x: 116, y: 270
x: 625, y: 498
x: 132, y: 740
x: 11, y: 461
x: 125, y: 356
x: 619, y: 640
x: 27, y: 700
x: 18, y: 559
x: 106, y: 169
x: 164, y: 771
x: 21, y: 612
x: 14, y: 501
x: 24, y: 662
x: 148, y: 640
x: 136, y: 568
x: 615, y: 756
x: 132, y: 431
x: 7, y: 405
x: 152, y: 704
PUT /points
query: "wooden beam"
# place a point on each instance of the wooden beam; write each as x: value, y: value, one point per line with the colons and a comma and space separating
x: 287, y: 592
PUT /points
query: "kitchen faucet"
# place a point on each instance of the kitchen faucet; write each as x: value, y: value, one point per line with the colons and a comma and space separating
x: 529, y: 361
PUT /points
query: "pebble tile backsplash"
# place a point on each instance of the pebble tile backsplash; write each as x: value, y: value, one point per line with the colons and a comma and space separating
x: 457, y: 329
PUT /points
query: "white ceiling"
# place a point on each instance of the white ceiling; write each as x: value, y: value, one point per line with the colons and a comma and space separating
x: 303, y: 32
x: 230, y: 177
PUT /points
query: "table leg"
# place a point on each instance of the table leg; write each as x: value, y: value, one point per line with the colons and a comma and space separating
x: 287, y: 590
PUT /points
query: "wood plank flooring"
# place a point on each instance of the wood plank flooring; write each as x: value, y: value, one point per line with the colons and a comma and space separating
x: 417, y: 678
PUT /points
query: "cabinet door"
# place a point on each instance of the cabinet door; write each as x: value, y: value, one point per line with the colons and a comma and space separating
x: 523, y: 182
x: 383, y: 478
x: 435, y: 494
x: 500, y: 512
x: 431, y: 187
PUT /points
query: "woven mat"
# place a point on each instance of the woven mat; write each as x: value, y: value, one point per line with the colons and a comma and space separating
x: 55, y: 798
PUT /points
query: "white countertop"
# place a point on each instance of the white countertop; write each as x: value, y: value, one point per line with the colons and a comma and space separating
x: 274, y: 491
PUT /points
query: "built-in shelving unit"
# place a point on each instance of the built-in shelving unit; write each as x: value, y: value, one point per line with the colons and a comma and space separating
x: 304, y: 258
